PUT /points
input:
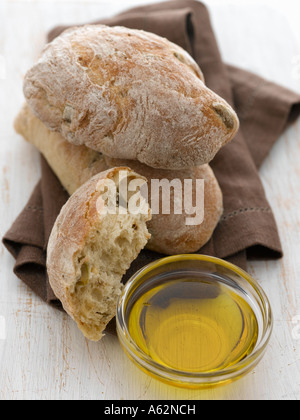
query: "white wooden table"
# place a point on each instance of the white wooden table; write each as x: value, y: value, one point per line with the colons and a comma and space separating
x: 42, y: 354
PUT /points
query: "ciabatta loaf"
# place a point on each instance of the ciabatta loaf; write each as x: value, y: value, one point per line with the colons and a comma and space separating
x: 74, y: 165
x: 170, y: 232
x: 89, y: 251
x: 129, y: 94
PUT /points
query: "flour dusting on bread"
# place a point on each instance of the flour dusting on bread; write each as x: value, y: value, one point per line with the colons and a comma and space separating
x: 129, y: 94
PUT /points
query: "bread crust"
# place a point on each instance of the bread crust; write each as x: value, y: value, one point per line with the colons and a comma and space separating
x: 169, y: 232
x: 73, y: 165
x: 75, y: 226
x: 129, y: 94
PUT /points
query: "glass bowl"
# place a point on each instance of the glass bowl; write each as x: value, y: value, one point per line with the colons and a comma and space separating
x: 208, y: 270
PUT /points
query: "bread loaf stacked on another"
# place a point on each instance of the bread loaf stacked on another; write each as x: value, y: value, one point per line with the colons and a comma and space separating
x: 101, y: 99
x: 130, y: 95
x: 74, y: 165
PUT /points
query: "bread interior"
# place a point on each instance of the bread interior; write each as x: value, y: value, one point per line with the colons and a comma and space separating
x: 113, y: 243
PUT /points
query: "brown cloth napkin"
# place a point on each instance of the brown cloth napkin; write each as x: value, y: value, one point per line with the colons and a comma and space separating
x: 248, y: 227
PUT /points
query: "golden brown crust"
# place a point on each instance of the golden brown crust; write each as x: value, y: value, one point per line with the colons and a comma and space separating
x: 170, y: 233
x: 129, y: 94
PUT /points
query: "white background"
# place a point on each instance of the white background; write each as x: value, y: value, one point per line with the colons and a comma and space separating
x: 44, y: 356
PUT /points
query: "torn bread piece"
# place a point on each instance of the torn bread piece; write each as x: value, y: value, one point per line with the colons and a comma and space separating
x: 90, y: 249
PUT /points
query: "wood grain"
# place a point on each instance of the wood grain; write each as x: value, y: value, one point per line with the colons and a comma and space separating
x: 44, y: 356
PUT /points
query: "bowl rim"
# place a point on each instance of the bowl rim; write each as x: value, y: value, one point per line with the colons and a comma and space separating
x: 169, y: 374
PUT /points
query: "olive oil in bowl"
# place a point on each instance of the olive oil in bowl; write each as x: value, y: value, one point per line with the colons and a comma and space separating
x: 194, y: 321
x: 193, y: 325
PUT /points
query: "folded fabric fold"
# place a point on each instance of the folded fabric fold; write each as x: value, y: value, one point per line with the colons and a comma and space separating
x: 265, y: 110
